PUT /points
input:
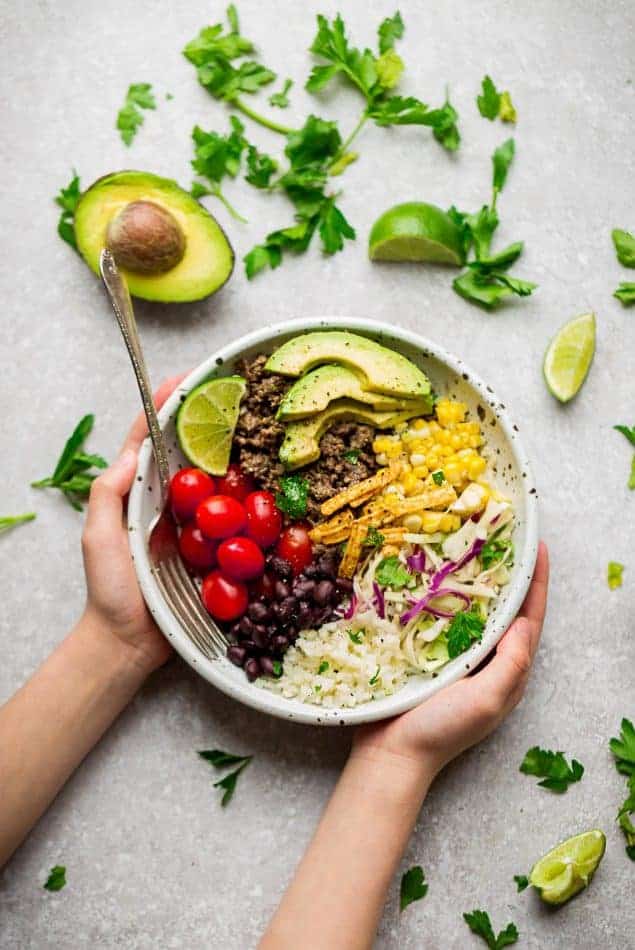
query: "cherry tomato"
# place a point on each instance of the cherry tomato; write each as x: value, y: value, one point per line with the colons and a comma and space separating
x: 188, y: 488
x: 264, y: 521
x: 264, y: 587
x: 195, y: 548
x: 241, y: 558
x: 221, y: 517
x: 295, y: 547
x: 236, y: 483
x: 224, y: 598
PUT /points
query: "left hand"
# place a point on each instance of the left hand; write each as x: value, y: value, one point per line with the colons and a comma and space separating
x: 115, y: 605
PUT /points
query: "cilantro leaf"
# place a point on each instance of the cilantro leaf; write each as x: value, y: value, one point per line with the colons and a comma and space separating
x: 331, y: 43
x: 375, y: 677
x: 352, y: 456
x: 484, y: 291
x: 129, y: 118
x: 292, y: 497
x: 624, y: 243
x: 277, y: 668
x: 260, y: 168
x: 398, y: 110
x: 374, y: 538
x: 56, y: 879
x: 68, y: 199
x: 221, y: 760
x: 281, y: 99
x: 522, y: 882
x: 218, y: 155
x: 501, y: 160
x: 465, y: 628
x: 631, y: 477
x: 499, y: 261
x: 333, y: 228
x: 10, y: 521
x: 495, y: 549
x: 479, y: 923
x: 444, y: 127
x: 625, y: 293
x: 71, y: 475
x: 623, y: 748
x: 356, y: 636
x: 413, y: 886
x: 506, y: 111
x: 438, y: 477
x: 489, y: 101
x: 323, y: 667
x: 316, y: 142
x: 552, y: 767
x: 482, y: 226
x: 390, y: 29
x: 295, y: 238
x: 392, y: 573
x: 614, y: 573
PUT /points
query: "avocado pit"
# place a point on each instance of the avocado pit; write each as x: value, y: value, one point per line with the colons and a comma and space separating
x: 145, y: 238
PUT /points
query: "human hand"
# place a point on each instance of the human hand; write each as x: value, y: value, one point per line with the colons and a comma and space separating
x: 466, y: 712
x: 115, y: 606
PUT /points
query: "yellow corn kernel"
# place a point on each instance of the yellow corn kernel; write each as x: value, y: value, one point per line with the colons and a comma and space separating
x: 418, y: 423
x: 473, y: 427
x: 445, y: 451
x: 456, y: 440
x: 411, y: 484
x: 382, y: 443
x: 401, y: 427
x: 394, y: 490
x: 475, y: 441
x: 421, y: 471
x: 382, y: 459
x: 394, y: 450
x: 448, y: 411
x: 417, y: 458
x: 405, y: 467
x: 430, y: 521
x: 452, y: 471
x: 412, y: 523
x: 476, y: 467
x: 417, y: 445
x: 432, y: 461
x: 449, y: 523
x: 434, y: 427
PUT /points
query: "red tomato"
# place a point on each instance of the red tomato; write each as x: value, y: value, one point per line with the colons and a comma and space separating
x: 295, y: 547
x: 236, y: 483
x: 264, y: 521
x: 220, y: 517
x: 224, y: 598
x: 188, y: 488
x: 241, y: 558
x: 195, y: 548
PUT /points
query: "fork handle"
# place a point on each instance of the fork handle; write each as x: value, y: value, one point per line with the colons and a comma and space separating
x: 122, y: 305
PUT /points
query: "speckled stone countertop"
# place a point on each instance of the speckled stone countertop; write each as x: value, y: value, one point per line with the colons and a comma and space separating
x: 152, y: 860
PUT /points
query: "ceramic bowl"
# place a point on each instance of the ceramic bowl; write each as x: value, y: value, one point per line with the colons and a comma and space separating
x: 449, y: 376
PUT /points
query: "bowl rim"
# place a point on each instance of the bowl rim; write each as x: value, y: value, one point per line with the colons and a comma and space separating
x: 265, y: 700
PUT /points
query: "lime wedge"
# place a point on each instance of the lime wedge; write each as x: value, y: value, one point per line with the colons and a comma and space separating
x: 416, y: 232
x: 569, y: 356
x: 569, y: 867
x: 206, y: 422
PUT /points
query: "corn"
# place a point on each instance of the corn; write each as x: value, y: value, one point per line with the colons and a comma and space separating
x: 476, y: 467
x: 448, y: 411
x: 421, y: 471
x: 382, y: 444
x: 452, y: 471
x: 449, y: 523
x: 394, y: 490
x: 417, y: 458
x: 405, y: 467
x: 430, y: 521
x: 474, y: 441
x: 445, y: 451
x: 419, y: 424
x: 412, y: 523
x: 432, y: 461
x: 456, y: 440
x: 382, y: 459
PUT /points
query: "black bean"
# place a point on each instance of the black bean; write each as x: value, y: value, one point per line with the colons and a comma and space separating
x: 280, y: 643
x: 304, y: 613
x: 235, y: 631
x: 303, y: 587
x: 312, y: 571
x: 287, y: 608
x: 344, y: 585
x: 246, y: 626
x: 281, y: 590
x: 250, y: 645
x: 258, y: 612
x: 252, y: 669
x: 260, y: 636
x: 272, y: 629
x: 281, y: 567
x: 323, y: 592
x: 236, y: 655
x: 327, y: 566
x: 266, y: 665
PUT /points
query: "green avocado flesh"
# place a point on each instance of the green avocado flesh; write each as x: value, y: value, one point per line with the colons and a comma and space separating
x: 382, y: 370
x: 301, y: 444
x: 313, y: 392
x: 208, y: 260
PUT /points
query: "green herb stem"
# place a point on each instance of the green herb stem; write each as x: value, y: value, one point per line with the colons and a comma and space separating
x: 344, y: 147
x: 223, y: 200
x: 260, y: 119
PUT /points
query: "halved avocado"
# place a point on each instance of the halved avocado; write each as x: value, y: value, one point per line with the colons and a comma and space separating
x: 383, y: 369
x: 315, y: 390
x: 301, y: 444
x: 168, y: 246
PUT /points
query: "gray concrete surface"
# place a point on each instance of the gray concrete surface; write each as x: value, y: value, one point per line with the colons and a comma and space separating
x: 152, y: 860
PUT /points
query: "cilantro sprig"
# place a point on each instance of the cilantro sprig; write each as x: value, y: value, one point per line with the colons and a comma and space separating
x: 522, y: 882
x: 495, y: 549
x: 280, y: 100
x: 465, y: 628
x: 216, y: 156
x: 130, y: 117
x: 624, y: 243
x: 374, y: 538
x: 11, y: 521
x: 68, y: 199
x: 292, y: 497
x: 623, y: 749
x: 392, y: 573
x: 413, y: 886
x: 552, y: 767
x: 629, y: 433
x: 479, y: 923
x: 72, y: 474
x: 493, y: 104
x: 625, y: 293
x: 56, y: 879
x: 222, y: 760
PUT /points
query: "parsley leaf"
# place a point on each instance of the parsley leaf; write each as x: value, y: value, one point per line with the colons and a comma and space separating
x: 68, y: 199
x: 390, y: 29
x: 72, y: 475
x: 316, y: 142
x: 277, y: 668
x: 129, y: 117
x: 627, y: 432
x: 323, y: 667
x: 374, y: 538
x: 444, y: 128
x: 375, y: 677
x: 552, y: 767
x: 356, y: 636
x: 438, y: 477
x: 281, y: 99
x: 352, y: 456
x: 221, y: 760
x: 465, y: 628
x: 479, y: 923
x: 624, y: 247
x: 333, y: 227
x: 495, y: 549
x: 10, y: 521
x: 392, y: 573
x: 56, y: 879
x: 218, y: 155
x: 412, y: 887
x: 625, y: 293
x: 493, y: 104
x: 331, y: 43
x: 398, y: 110
x: 522, y: 882
x: 292, y: 497
x: 614, y: 573
x: 501, y: 160
x: 260, y: 168
x: 623, y: 750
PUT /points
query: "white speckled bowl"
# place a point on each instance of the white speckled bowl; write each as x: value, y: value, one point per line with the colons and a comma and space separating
x: 449, y: 376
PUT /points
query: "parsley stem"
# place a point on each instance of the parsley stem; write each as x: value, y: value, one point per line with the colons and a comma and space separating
x: 347, y: 142
x: 221, y: 197
x: 261, y: 119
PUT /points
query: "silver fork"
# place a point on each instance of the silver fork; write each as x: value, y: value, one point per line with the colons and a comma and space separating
x: 170, y: 573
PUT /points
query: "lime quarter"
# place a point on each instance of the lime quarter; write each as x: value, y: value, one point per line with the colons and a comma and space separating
x: 569, y: 357
x: 568, y: 869
x: 206, y: 421
x: 416, y: 232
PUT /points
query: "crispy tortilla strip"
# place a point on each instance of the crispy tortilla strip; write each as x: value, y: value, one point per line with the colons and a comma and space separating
x: 433, y: 498
x: 353, y: 550
x: 325, y: 529
x: 336, y: 537
x: 364, y: 490
x: 393, y: 535
x: 377, y: 516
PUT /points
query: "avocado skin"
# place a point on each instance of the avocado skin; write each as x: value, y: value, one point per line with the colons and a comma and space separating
x: 167, y: 192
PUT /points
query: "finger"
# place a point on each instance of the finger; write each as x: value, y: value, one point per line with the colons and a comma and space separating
x: 535, y: 603
x: 505, y: 676
x: 139, y: 429
x: 105, y: 505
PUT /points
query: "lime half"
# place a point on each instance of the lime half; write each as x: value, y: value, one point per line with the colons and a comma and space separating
x: 568, y: 869
x: 569, y: 356
x: 206, y: 422
x: 416, y: 232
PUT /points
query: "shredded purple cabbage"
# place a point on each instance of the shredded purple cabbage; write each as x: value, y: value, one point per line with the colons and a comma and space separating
x: 352, y: 607
x: 453, y: 566
x: 420, y: 605
x: 435, y: 590
x: 417, y: 561
x: 378, y: 600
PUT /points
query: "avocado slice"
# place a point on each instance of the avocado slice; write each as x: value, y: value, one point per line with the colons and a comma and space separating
x: 384, y: 370
x: 315, y: 390
x: 301, y: 444
x: 199, y: 257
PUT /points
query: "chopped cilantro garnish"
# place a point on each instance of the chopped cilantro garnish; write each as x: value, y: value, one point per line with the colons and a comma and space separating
x: 323, y: 667
x: 218, y: 155
x: 129, y: 117
x: 552, y: 767
x: 624, y: 247
x: 68, y: 199
x: 375, y: 677
x: 281, y: 99
x: 479, y: 923
x: 221, y: 760
x: 493, y: 104
x: 614, y: 574
x: 392, y: 573
x: 72, y: 473
x: 625, y: 293
x: 352, y: 456
x: 623, y: 750
x: 277, y: 668
x: 522, y: 882
x: 465, y: 628
x: 495, y: 549
x: 438, y: 477
x: 292, y: 497
x: 356, y: 636
x: 374, y: 538
x: 56, y: 879
x: 413, y: 886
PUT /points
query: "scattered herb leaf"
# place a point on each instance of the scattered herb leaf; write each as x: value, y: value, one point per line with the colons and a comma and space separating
x: 129, y: 117
x: 56, y: 879
x: 352, y: 456
x: 356, y: 636
x: 10, y: 521
x: 292, y: 497
x: 216, y: 156
x: 552, y: 767
x: 495, y: 549
x: 522, y: 882
x: 68, y: 199
x: 277, y: 668
x: 72, y: 475
x: 627, y: 432
x: 623, y: 749
x: 624, y: 247
x: 438, y: 477
x: 493, y: 104
x: 614, y: 574
x: 375, y: 677
x: 479, y: 923
x: 625, y: 293
x: 221, y: 760
x: 392, y: 573
x: 323, y: 667
x: 374, y: 538
x: 281, y: 99
x: 390, y: 29
x: 260, y: 168
x: 413, y: 887
x: 465, y: 628
x: 501, y: 161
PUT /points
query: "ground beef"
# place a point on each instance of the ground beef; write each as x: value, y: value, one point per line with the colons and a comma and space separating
x: 258, y: 436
